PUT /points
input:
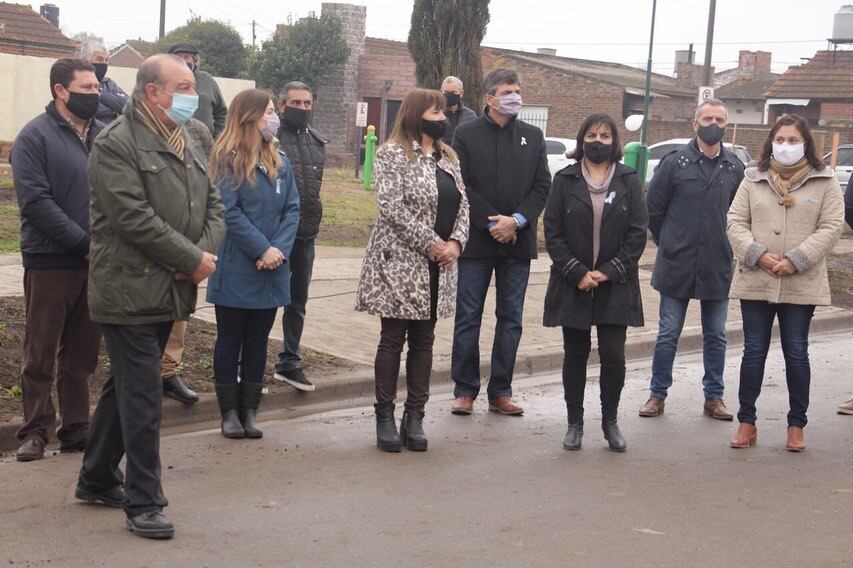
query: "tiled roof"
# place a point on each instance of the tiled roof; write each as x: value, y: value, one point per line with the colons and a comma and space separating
x: 631, y: 78
x: 141, y: 46
x: 749, y: 89
x: 827, y: 76
x: 24, y: 26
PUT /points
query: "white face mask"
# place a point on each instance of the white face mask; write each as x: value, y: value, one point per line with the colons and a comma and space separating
x: 789, y: 154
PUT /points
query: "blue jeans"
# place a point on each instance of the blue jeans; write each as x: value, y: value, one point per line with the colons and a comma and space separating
x: 794, y: 321
x: 293, y: 320
x: 475, y: 275
x: 672, y: 313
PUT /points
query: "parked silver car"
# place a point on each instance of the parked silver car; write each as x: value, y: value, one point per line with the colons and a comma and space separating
x: 844, y: 165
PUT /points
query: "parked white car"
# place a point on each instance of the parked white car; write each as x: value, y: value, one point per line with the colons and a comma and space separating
x: 661, y: 149
x: 844, y: 166
x: 559, y: 150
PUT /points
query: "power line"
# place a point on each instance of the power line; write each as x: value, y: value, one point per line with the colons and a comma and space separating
x: 779, y: 42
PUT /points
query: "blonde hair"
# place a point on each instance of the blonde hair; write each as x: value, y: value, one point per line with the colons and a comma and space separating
x: 241, y: 146
x: 407, y: 128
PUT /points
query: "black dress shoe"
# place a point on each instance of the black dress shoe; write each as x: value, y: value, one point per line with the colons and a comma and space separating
x: 111, y: 498
x: 151, y: 524
x: 174, y: 387
x: 574, y: 436
x: 72, y: 448
x: 31, y: 450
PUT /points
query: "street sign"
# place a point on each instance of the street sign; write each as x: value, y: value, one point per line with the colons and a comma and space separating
x: 361, y: 115
x: 705, y: 94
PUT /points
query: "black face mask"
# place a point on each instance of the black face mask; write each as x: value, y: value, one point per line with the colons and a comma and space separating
x: 597, y: 152
x: 711, y: 134
x: 452, y: 99
x: 192, y: 66
x: 435, y: 129
x: 295, y: 118
x: 83, y: 105
x: 100, y: 70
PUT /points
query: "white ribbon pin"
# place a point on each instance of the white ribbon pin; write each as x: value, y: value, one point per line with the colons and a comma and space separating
x: 523, y: 141
x: 610, y: 197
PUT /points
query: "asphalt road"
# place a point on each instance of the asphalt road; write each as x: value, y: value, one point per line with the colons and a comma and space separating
x: 491, y: 491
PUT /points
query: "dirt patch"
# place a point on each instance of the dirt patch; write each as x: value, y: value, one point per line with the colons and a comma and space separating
x: 196, y: 369
x: 841, y: 279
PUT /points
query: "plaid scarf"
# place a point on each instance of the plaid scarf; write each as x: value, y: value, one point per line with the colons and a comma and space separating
x: 175, y: 137
x: 783, y: 178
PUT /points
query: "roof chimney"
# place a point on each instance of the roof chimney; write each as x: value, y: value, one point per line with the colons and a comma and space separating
x: 50, y: 13
x: 547, y: 51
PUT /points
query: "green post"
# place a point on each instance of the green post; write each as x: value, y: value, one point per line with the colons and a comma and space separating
x: 369, y: 155
x: 643, y: 153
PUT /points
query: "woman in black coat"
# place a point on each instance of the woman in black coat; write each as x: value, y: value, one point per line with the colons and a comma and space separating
x: 595, y: 233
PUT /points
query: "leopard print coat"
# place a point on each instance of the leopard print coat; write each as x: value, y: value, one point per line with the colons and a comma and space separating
x: 395, y: 273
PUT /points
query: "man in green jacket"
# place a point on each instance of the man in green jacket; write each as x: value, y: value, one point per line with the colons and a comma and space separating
x: 156, y: 220
x: 212, y: 109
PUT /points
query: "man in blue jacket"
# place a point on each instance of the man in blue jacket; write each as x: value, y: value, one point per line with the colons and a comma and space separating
x: 688, y: 199
x: 49, y: 160
x: 113, y: 98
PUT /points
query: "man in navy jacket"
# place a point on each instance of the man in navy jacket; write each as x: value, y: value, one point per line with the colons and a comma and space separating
x: 49, y: 159
x: 688, y: 199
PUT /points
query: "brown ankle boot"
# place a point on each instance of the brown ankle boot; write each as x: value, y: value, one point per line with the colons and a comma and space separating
x: 746, y: 436
x: 796, y: 441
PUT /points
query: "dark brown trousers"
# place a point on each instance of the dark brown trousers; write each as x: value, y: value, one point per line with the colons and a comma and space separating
x: 421, y: 336
x: 60, y: 341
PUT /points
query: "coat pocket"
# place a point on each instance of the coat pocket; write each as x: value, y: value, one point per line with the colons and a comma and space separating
x: 146, y: 292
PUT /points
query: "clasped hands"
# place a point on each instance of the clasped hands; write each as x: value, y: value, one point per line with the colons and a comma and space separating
x: 444, y: 252
x: 592, y: 279
x: 270, y: 260
x: 775, y: 265
x: 505, y: 229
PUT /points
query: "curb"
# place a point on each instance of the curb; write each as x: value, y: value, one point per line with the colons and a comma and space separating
x: 361, y: 386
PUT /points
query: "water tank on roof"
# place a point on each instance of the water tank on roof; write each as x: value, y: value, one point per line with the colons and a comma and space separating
x: 842, y: 26
x: 50, y: 13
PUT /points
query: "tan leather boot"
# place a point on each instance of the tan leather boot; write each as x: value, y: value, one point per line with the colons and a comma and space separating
x: 653, y: 407
x: 796, y: 441
x: 846, y: 408
x: 746, y: 436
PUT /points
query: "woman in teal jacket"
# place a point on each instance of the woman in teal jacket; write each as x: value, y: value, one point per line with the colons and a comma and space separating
x: 252, y: 279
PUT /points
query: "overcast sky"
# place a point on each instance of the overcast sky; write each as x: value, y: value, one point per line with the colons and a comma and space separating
x: 608, y: 30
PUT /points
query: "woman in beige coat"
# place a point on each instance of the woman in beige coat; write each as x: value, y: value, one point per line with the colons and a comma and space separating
x: 408, y: 277
x: 786, y: 218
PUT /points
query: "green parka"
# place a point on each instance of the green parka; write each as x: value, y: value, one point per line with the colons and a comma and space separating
x: 152, y: 215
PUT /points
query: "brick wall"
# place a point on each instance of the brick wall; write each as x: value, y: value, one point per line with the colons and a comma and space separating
x: 377, y: 65
x: 751, y: 136
x: 837, y: 110
x: 33, y: 51
x: 5, y: 150
x: 334, y: 111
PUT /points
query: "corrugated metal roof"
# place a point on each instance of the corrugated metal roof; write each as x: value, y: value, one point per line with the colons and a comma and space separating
x: 749, y: 89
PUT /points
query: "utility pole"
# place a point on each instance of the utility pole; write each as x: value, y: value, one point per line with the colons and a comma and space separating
x: 642, y: 162
x: 709, y: 43
x: 254, y: 23
x: 162, y: 18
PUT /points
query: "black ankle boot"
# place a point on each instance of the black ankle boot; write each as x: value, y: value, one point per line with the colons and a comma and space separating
x: 386, y: 431
x: 412, y: 432
x: 228, y: 396
x: 574, y: 435
x: 613, y: 435
x: 250, y: 400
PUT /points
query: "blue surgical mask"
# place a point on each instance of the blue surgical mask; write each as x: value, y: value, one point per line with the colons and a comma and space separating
x: 183, y: 107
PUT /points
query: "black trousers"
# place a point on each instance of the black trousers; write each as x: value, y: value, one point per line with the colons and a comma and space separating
x: 611, y: 350
x: 127, y: 418
x: 242, y: 337
x: 421, y: 336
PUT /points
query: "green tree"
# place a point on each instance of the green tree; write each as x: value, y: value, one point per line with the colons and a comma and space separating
x: 444, y: 39
x: 307, y: 51
x: 220, y: 46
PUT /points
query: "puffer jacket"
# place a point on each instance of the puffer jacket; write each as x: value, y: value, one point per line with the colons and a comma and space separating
x: 394, y: 279
x: 306, y: 150
x: 804, y: 234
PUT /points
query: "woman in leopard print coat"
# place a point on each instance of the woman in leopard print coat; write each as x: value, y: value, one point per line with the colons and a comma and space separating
x: 408, y: 277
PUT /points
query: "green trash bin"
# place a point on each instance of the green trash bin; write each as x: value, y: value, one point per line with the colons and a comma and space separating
x: 631, y: 153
